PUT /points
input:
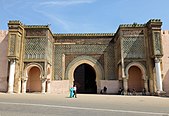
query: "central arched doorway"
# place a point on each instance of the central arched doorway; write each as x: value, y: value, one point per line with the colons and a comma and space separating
x: 135, y: 80
x: 85, y: 79
x: 34, y: 82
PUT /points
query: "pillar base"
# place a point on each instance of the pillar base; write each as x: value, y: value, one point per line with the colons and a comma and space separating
x: 125, y: 93
x: 161, y: 93
x: 148, y: 93
x: 10, y: 92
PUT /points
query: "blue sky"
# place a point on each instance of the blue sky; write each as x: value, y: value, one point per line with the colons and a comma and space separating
x: 83, y: 16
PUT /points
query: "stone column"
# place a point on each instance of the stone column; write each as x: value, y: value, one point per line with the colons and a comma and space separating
x: 43, y: 85
x: 24, y: 81
x: 125, y: 85
x: 11, y: 76
x: 63, y: 67
x: 151, y: 86
x: 158, y: 75
x: 146, y: 85
x: 19, y: 85
x: 48, y: 86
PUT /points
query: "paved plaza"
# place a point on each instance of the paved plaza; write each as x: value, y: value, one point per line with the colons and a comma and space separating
x: 36, y: 104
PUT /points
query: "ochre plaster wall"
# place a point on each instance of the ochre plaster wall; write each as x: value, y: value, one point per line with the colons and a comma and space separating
x: 165, y: 61
x: 3, y: 60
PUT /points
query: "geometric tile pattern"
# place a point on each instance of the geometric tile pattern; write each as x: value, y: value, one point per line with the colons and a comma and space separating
x: 18, y: 46
x: 77, y: 50
x: 49, y: 51
x: 110, y: 58
x: 35, y: 48
x: 12, y: 44
x: 133, y: 47
x: 157, y: 45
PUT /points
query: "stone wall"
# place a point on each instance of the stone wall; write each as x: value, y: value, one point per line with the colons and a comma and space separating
x: 165, y: 61
x: 60, y: 87
x: 111, y: 85
x: 3, y: 60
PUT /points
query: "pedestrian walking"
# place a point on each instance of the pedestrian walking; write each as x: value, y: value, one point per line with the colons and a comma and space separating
x: 75, y: 91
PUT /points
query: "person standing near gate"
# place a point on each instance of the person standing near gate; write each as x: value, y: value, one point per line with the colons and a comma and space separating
x: 71, y: 92
x: 75, y: 91
x: 105, y: 89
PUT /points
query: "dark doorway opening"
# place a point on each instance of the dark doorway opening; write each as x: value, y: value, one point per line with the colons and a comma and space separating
x: 85, y: 79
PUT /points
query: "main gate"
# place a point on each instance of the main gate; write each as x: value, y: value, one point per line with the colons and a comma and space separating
x: 95, y: 70
x: 85, y: 79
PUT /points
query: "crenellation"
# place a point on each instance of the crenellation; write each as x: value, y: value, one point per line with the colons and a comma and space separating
x: 155, y: 20
x: 15, y: 22
x: 36, y: 26
x: 84, y: 34
x: 132, y: 25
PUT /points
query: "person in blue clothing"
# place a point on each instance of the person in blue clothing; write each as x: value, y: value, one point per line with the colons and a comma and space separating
x: 71, y: 92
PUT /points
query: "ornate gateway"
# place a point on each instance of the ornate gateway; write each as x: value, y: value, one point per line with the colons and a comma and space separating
x: 41, y: 61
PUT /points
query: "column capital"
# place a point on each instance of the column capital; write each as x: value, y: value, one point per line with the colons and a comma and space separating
x: 11, y: 60
x: 145, y: 77
x: 124, y: 77
x: 48, y: 80
x: 24, y: 79
x: 157, y: 60
x: 43, y: 79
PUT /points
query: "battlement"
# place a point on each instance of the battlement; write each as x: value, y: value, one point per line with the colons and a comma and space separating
x: 84, y: 34
x: 36, y: 26
x: 154, y: 20
x: 15, y: 22
x: 141, y: 25
x: 132, y: 25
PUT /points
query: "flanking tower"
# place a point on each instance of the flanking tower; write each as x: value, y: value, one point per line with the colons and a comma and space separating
x: 156, y: 52
x: 15, y: 55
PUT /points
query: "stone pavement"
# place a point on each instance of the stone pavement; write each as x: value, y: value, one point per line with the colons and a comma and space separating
x: 37, y: 104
